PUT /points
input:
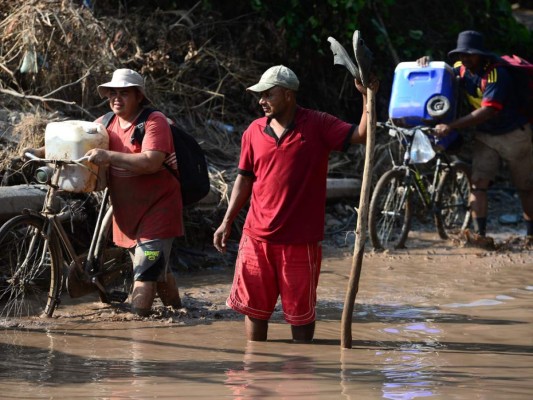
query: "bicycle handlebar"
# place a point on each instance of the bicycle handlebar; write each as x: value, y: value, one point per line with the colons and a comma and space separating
x: 32, y: 157
x: 407, y: 131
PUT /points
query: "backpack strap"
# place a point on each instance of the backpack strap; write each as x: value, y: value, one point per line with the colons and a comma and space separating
x: 172, y: 171
x: 107, y: 118
x: 138, y: 132
x: 138, y: 135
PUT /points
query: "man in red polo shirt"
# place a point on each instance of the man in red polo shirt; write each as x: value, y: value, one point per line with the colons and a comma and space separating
x: 283, y: 170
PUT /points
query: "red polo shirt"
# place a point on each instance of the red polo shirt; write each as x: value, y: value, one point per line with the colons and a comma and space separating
x: 289, y: 192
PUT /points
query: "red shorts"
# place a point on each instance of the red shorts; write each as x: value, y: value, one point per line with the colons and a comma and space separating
x: 264, y: 271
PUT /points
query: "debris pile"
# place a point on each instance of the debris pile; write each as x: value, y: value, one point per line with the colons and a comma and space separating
x: 55, y: 53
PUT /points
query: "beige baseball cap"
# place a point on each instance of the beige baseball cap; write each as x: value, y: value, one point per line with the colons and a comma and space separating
x: 123, y: 78
x: 278, y: 75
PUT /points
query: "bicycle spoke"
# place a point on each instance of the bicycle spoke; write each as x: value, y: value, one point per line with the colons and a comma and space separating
x: 390, y: 215
x: 445, y: 196
x: 389, y: 211
x: 28, y: 276
x: 112, y: 265
x: 453, y: 212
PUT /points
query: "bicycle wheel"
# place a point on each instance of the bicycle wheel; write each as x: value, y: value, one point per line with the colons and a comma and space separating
x: 113, y: 267
x: 30, y: 265
x: 390, y: 211
x: 452, y: 201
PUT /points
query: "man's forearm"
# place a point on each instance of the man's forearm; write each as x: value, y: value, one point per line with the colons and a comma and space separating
x: 141, y: 163
x: 474, y: 118
x: 240, y: 194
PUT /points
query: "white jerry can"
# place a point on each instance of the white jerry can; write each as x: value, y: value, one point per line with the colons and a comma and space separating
x: 71, y: 140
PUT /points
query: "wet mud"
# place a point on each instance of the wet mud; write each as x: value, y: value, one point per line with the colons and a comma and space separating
x: 436, y: 320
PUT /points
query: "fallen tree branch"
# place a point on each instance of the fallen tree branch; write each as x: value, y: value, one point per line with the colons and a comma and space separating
x: 31, y: 97
x: 68, y: 84
x: 46, y: 100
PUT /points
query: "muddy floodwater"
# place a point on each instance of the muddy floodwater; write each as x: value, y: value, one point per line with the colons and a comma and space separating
x: 435, y: 321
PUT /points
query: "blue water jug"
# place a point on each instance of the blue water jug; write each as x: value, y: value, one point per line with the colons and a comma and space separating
x: 423, y: 95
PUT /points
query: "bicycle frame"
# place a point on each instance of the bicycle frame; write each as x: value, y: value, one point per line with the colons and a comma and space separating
x: 41, y: 255
x: 54, y: 224
x: 439, y: 191
x: 413, y: 174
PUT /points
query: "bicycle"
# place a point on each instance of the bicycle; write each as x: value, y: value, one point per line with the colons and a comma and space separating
x: 442, y: 190
x: 38, y: 260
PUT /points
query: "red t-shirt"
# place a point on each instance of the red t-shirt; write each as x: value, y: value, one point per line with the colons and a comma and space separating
x: 289, y: 191
x: 145, y: 206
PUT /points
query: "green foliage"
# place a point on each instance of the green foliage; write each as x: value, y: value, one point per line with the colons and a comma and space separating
x: 395, y: 30
x: 437, y: 24
x: 235, y: 41
x: 311, y: 20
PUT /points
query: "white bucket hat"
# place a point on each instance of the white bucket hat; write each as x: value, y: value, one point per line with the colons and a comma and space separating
x: 276, y: 76
x: 123, y: 78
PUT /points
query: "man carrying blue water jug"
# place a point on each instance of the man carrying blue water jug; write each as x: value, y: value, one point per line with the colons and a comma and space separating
x: 146, y: 197
x: 502, y: 131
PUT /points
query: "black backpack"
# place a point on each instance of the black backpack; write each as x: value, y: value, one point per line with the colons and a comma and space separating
x: 190, y: 157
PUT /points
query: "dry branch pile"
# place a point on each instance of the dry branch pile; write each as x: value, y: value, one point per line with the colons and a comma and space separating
x: 54, y: 53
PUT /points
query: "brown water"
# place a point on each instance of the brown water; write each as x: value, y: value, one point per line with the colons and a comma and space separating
x: 433, y: 322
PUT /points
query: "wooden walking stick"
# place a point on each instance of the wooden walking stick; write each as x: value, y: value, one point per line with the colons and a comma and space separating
x: 362, y: 222
x: 362, y: 74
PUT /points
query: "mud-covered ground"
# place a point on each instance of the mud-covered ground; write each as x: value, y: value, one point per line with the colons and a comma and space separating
x: 436, y: 320
x: 204, y: 290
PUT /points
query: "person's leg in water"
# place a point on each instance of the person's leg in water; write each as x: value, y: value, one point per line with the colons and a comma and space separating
x: 256, y: 329
x: 142, y: 297
x: 254, y: 291
x: 144, y: 293
x: 150, y: 260
x: 299, y: 273
x: 168, y: 291
x: 526, y: 198
x: 485, y: 166
x: 303, y: 333
x: 479, y: 205
x: 479, y: 208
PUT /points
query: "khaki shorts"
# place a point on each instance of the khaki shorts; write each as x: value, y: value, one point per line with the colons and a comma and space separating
x: 515, y: 148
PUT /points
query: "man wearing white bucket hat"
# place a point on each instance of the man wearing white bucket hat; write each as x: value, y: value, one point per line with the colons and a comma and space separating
x: 146, y: 197
x: 283, y: 170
